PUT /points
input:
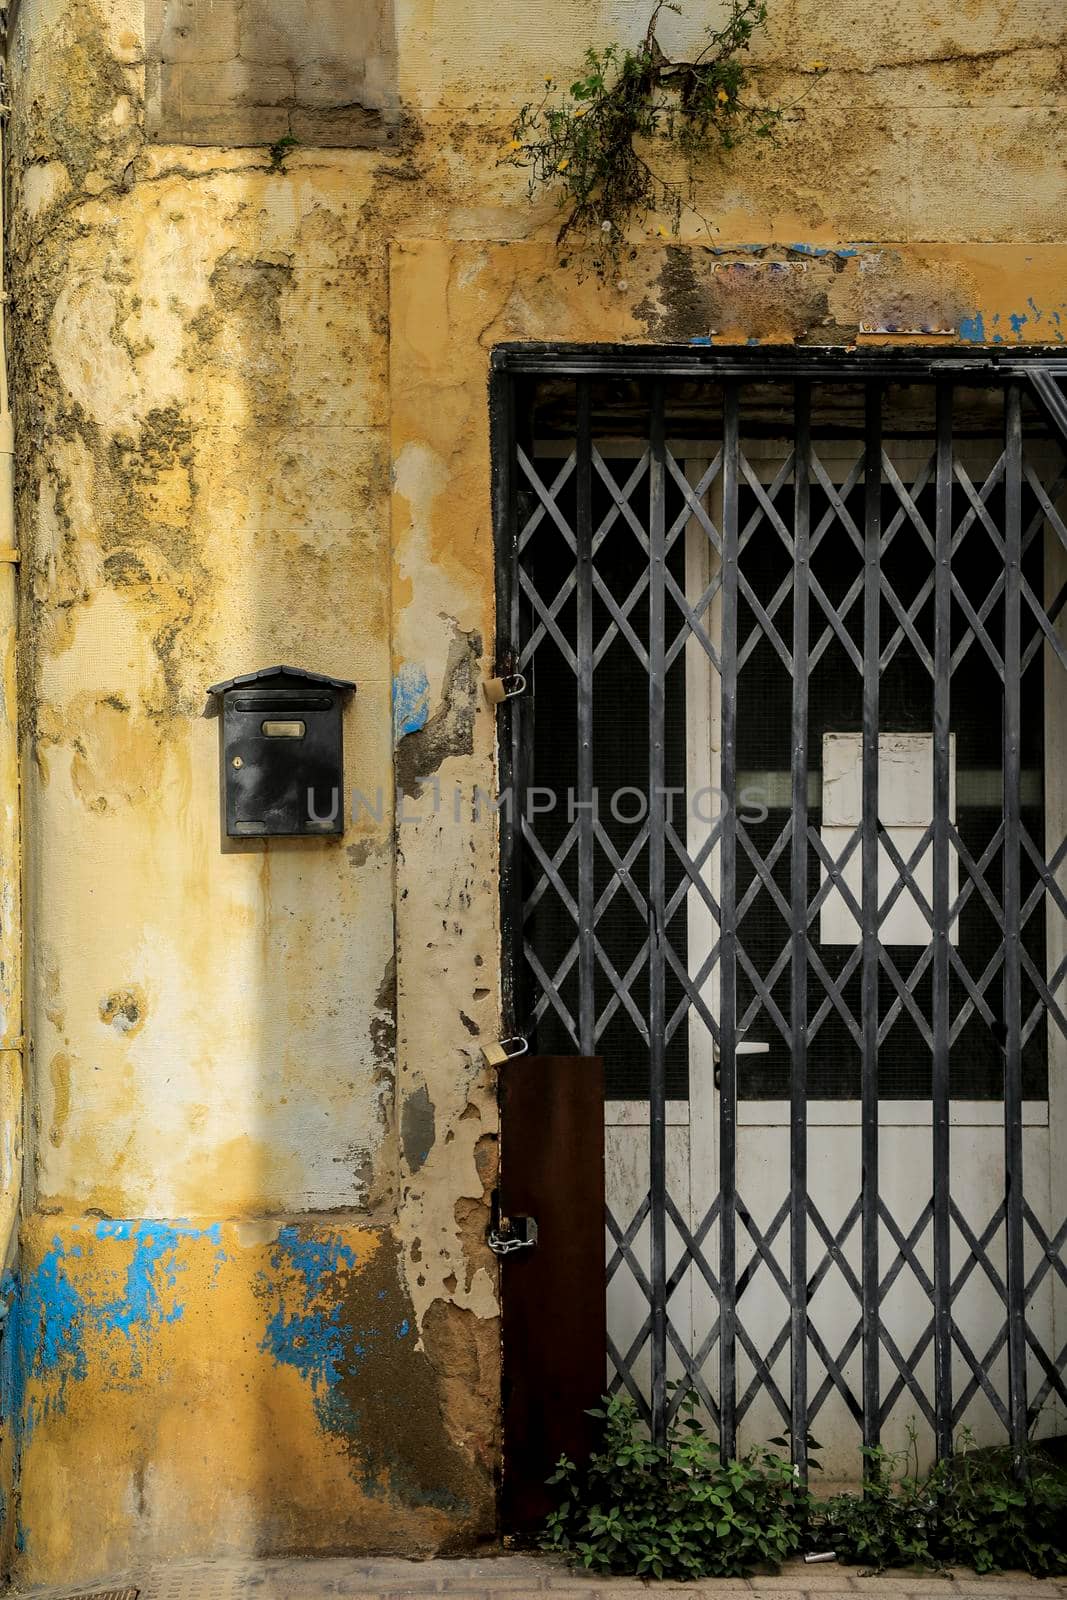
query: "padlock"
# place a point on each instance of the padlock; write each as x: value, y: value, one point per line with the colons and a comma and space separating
x: 502, y: 1050
x: 498, y: 690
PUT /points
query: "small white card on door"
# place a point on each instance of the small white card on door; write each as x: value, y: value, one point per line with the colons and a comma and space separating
x: 905, y: 810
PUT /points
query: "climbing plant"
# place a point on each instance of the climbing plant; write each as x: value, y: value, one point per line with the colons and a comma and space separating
x: 609, y: 146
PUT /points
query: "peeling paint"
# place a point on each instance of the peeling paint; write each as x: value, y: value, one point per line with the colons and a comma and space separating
x: 343, y: 1323
x: 770, y: 297
x: 411, y: 700
x: 449, y: 730
x: 839, y: 252
x: 417, y: 1127
x: 973, y: 329
x: 124, y: 1010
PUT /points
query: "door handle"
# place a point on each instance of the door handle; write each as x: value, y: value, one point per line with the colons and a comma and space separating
x: 751, y: 1047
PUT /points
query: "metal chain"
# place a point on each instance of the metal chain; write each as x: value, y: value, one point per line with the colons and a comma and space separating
x: 502, y: 1244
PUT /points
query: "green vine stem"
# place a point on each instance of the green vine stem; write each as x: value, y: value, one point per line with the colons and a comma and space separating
x: 597, y: 145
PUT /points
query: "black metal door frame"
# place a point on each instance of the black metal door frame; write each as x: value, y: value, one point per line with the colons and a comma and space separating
x: 1027, y: 629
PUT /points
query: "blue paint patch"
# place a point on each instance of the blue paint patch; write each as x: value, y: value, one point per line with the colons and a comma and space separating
x: 307, y: 1331
x: 311, y: 1342
x: 842, y: 252
x: 973, y: 329
x: 313, y: 1259
x: 51, y: 1317
x: 310, y: 1337
x: 154, y: 1268
x: 411, y: 700
x: 347, y: 1358
x: 1017, y: 323
x: 44, y: 1340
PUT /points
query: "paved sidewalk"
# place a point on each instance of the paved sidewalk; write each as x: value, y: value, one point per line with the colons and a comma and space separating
x: 516, y: 1577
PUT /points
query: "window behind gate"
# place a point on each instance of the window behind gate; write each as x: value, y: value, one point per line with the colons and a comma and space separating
x: 599, y: 652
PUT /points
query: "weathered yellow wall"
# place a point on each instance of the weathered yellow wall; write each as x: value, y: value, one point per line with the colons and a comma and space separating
x: 284, y: 1369
x: 217, y: 387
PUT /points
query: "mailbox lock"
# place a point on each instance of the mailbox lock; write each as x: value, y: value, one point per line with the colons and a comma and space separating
x: 237, y: 761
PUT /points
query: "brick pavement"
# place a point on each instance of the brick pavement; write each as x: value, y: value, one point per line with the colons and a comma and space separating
x: 514, y: 1577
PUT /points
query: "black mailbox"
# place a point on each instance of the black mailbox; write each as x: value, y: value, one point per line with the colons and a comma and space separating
x: 282, y: 762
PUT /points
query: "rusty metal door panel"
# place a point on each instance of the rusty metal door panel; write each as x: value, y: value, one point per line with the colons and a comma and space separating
x: 552, y: 1294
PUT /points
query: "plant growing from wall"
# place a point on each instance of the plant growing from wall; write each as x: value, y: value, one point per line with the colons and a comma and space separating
x: 280, y: 149
x: 605, y: 146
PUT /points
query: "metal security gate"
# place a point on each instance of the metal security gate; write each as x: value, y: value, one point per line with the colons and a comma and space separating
x: 783, y: 816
